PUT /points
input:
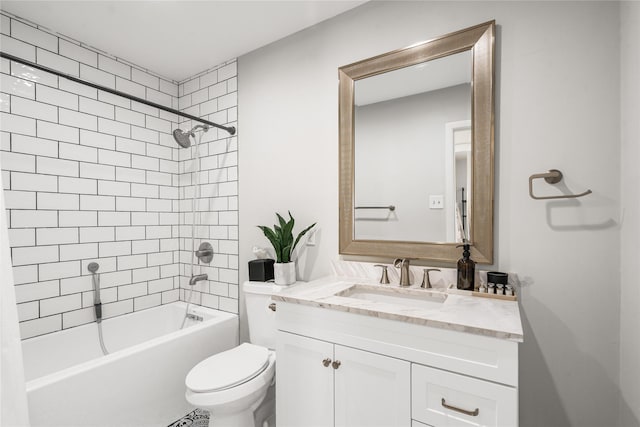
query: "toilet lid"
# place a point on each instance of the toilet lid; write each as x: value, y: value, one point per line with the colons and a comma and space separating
x: 228, y: 369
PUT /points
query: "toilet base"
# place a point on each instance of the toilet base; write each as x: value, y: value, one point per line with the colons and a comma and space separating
x: 262, y: 416
x: 265, y: 415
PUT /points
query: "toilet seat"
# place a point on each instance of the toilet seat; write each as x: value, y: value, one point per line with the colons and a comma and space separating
x: 231, y: 399
x: 228, y: 369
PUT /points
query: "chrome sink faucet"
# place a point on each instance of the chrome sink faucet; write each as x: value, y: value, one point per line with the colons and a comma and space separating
x: 405, y: 275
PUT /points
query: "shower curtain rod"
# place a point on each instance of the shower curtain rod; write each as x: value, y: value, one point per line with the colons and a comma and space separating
x: 230, y: 129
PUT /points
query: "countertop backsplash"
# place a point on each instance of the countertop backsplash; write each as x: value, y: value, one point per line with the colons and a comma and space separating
x: 439, y: 279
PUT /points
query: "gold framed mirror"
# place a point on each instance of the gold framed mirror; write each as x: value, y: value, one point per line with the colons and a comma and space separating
x: 387, y: 210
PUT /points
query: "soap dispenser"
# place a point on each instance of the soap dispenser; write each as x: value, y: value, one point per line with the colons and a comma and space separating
x: 466, y: 269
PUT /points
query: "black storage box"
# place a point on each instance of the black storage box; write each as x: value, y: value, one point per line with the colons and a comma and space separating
x: 261, y: 270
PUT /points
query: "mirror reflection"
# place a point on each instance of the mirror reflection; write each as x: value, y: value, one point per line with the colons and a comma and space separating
x: 412, y: 147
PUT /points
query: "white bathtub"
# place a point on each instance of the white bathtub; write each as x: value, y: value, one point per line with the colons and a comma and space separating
x: 140, y: 383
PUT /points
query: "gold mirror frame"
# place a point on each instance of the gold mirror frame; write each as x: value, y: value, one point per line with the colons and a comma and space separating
x: 480, y: 40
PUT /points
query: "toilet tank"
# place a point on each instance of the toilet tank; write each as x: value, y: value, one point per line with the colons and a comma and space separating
x: 261, y: 319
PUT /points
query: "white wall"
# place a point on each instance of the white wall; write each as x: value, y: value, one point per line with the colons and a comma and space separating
x: 557, y: 107
x: 630, y: 231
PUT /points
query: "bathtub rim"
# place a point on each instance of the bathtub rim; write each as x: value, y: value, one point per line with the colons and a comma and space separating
x: 219, y: 317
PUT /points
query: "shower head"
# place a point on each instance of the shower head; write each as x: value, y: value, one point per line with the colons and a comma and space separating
x: 182, y: 137
x: 93, y: 267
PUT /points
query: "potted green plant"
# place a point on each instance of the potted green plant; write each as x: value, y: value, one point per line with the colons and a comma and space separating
x: 281, y: 238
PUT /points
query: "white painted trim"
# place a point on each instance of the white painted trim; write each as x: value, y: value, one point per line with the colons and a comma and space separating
x: 450, y: 167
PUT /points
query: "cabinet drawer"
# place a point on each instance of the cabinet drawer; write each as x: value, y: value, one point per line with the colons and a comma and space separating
x: 441, y: 398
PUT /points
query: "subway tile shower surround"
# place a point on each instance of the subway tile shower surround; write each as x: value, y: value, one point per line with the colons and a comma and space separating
x: 90, y: 176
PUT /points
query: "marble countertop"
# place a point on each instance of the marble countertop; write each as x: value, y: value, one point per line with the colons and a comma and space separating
x: 463, y: 313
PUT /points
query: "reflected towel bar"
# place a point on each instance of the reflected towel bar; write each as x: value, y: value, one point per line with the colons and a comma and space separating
x: 390, y: 207
x: 554, y: 176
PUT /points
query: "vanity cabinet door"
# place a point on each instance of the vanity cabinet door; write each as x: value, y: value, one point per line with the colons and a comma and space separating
x: 371, y: 390
x: 441, y: 398
x: 321, y: 384
x: 304, y: 385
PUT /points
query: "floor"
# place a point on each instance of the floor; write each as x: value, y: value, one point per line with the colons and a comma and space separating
x: 197, y: 418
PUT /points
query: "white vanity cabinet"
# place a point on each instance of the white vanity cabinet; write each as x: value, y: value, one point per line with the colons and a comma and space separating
x: 325, y: 384
x: 390, y: 373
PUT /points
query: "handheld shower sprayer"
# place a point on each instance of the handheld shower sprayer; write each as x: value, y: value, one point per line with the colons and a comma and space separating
x: 95, y: 277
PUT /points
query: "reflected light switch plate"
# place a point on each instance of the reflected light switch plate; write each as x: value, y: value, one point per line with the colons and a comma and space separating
x: 436, y: 202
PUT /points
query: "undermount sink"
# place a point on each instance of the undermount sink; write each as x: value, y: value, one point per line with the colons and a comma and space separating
x: 414, y: 298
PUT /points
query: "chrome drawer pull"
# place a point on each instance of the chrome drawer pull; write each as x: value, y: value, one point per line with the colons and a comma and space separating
x: 473, y: 413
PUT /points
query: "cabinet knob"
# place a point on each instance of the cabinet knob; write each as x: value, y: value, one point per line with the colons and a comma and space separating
x: 272, y: 306
x: 336, y: 364
x: 326, y: 362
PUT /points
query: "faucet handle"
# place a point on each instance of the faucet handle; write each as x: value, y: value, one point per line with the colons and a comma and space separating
x: 384, y: 279
x: 426, y: 283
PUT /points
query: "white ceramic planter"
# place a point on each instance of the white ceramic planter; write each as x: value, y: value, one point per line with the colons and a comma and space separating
x: 284, y: 273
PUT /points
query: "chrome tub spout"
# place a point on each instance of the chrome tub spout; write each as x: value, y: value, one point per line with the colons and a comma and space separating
x: 197, y: 278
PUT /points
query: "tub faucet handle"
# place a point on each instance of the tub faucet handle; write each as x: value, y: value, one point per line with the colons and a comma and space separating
x: 204, y: 253
x: 384, y: 279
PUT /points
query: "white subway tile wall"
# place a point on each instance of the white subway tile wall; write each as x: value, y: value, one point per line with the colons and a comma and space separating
x: 212, y: 95
x: 94, y: 177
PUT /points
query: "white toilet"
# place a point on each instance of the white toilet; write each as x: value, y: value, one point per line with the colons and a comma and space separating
x: 237, y: 385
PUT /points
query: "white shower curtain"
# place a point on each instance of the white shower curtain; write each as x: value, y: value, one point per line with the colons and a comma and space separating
x: 13, y: 394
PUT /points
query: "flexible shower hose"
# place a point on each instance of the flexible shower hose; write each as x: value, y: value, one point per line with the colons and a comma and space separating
x: 104, y: 349
x: 98, y: 307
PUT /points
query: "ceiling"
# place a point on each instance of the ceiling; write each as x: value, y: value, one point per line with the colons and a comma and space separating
x: 177, y: 39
